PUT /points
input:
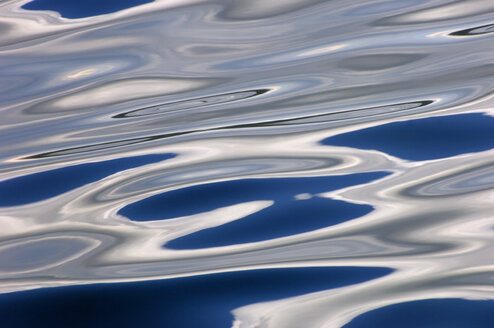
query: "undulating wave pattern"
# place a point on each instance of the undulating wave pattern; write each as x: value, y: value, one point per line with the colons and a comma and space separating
x: 248, y: 163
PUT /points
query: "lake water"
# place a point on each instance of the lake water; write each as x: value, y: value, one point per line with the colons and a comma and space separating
x: 247, y: 163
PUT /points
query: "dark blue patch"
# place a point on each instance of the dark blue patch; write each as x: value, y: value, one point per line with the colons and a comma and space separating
x: 424, y: 139
x: 436, y: 313
x: 207, y: 197
x: 284, y: 218
x: 287, y: 216
x: 39, y: 186
x: 83, y: 8
x: 203, y: 301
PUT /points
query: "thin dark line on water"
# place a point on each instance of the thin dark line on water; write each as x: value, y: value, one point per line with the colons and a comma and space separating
x: 113, y: 144
x: 203, y: 101
x: 479, y: 30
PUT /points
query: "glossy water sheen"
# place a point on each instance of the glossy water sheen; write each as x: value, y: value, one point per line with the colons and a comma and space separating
x: 248, y: 163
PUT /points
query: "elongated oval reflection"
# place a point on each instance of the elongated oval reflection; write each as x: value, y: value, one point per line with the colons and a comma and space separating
x: 43, y: 185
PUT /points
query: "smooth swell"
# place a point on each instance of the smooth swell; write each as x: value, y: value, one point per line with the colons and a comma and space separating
x: 247, y: 163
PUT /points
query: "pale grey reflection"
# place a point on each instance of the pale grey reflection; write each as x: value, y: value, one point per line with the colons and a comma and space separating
x: 216, y: 170
x: 463, y: 181
x: 42, y: 252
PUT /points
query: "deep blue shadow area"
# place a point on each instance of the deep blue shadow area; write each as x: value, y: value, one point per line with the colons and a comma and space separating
x: 207, y: 197
x: 424, y: 139
x: 39, y: 186
x: 204, y: 301
x: 286, y: 217
x: 81, y: 9
x: 435, y: 313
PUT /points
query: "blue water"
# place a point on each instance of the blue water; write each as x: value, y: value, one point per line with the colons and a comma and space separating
x: 275, y: 164
x: 286, y: 218
x: 424, y: 139
x: 43, y: 185
x: 454, y: 313
x: 81, y: 9
x: 206, y: 197
x: 204, y: 301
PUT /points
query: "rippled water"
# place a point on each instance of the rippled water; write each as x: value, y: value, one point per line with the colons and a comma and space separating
x: 247, y: 163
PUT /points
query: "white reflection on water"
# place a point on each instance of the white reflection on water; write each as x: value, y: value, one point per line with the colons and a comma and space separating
x: 240, y: 90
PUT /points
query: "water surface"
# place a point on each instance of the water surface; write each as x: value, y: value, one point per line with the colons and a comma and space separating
x: 195, y: 163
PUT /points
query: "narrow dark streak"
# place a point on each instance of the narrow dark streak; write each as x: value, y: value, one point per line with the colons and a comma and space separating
x: 190, y: 103
x: 291, y: 121
x: 484, y: 29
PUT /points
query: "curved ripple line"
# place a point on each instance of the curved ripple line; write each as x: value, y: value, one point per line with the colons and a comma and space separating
x: 192, y: 103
